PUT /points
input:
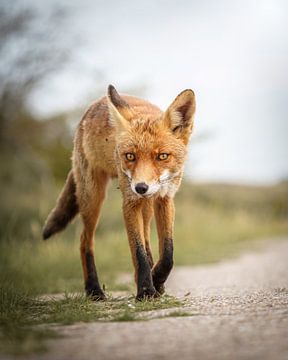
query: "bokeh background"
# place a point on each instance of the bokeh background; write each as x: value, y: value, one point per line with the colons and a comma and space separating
x: 58, y: 56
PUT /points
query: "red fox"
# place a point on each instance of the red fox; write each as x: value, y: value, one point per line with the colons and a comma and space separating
x: 128, y: 138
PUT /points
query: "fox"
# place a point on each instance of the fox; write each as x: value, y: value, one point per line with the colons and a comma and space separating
x: 125, y: 137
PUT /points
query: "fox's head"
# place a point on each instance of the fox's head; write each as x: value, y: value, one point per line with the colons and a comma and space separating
x: 151, y: 145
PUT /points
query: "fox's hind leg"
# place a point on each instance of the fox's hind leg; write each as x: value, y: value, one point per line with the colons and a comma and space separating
x: 147, y: 212
x: 91, y: 195
x: 164, y: 215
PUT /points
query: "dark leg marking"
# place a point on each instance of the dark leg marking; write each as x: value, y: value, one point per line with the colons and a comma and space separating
x: 92, y: 286
x: 145, y: 286
x: 150, y: 257
x: 164, y: 266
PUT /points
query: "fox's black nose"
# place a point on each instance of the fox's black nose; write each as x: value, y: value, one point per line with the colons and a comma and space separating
x: 141, y: 188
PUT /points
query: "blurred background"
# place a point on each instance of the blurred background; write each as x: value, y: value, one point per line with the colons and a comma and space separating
x: 58, y: 56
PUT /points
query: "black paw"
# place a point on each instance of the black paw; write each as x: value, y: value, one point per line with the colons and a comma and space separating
x: 145, y: 293
x: 160, y: 288
x: 95, y: 294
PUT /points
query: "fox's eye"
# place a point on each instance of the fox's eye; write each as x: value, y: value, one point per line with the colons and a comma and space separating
x: 162, y: 156
x: 130, y: 156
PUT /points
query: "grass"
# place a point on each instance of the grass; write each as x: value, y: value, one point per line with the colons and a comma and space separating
x: 179, y: 313
x: 27, y: 322
x: 213, y: 222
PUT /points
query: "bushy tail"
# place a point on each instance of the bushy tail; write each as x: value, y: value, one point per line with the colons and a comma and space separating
x: 65, y: 210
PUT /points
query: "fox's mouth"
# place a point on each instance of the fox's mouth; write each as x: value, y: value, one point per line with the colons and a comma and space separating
x: 144, y: 196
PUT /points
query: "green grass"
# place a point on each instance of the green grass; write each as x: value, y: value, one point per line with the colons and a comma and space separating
x: 27, y: 322
x: 179, y: 313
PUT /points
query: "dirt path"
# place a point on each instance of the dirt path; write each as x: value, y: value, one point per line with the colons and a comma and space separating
x: 240, y: 311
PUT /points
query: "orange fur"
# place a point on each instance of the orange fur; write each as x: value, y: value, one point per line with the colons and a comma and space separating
x: 129, y: 138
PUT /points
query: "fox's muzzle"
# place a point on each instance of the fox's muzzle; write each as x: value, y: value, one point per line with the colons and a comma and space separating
x: 144, y: 189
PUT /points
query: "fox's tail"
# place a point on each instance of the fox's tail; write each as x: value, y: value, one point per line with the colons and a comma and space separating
x: 65, y: 210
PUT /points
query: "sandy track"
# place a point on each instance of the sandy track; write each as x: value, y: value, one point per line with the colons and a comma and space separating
x: 240, y: 311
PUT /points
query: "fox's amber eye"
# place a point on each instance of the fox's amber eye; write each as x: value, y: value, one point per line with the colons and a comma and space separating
x: 162, y: 156
x: 130, y: 156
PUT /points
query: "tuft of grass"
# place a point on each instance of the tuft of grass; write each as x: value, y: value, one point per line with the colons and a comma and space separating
x: 179, y: 313
x: 163, y: 302
x: 18, y: 335
x: 125, y: 316
x: 27, y: 322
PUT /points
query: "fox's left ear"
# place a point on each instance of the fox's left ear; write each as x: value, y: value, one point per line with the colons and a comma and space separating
x: 120, y: 112
x: 179, y: 115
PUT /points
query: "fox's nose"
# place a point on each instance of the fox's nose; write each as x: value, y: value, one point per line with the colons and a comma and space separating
x: 141, y: 188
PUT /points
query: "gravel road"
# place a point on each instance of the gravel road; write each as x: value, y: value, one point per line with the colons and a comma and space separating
x: 239, y: 307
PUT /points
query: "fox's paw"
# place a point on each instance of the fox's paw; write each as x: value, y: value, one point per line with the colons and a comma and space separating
x: 158, y: 284
x: 160, y: 288
x: 95, y: 294
x: 146, y: 293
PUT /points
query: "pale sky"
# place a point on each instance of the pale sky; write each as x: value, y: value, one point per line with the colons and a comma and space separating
x: 233, y: 54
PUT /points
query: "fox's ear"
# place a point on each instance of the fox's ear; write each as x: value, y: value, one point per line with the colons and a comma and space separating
x: 179, y: 115
x: 120, y: 112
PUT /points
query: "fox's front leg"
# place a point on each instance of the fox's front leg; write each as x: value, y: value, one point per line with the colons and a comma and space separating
x: 147, y: 213
x: 164, y: 214
x: 132, y: 212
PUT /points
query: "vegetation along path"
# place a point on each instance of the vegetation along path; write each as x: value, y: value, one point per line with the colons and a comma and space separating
x: 236, y: 309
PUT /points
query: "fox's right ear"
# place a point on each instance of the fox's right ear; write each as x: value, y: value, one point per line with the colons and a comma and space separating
x: 120, y: 112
